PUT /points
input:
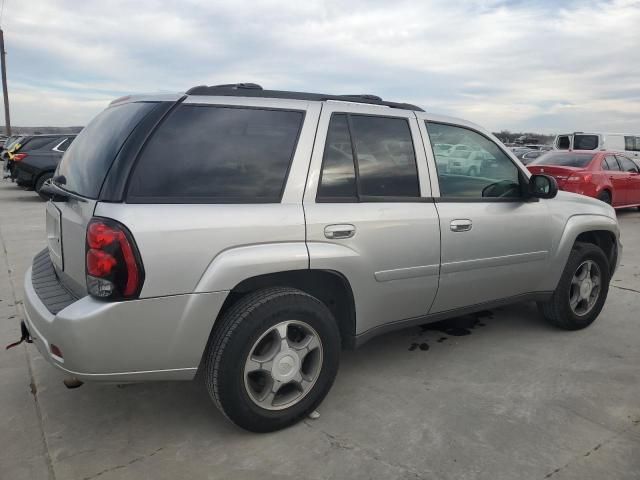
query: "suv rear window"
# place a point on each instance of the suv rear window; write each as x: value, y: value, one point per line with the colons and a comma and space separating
x: 88, y: 159
x: 564, y: 159
x: 212, y: 154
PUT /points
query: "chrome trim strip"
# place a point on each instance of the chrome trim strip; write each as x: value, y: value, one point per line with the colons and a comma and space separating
x: 465, y: 265
x: 405, y: 273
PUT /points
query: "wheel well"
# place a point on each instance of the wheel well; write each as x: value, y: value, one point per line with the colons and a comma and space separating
x: 603, y: 239
x: 40, y: 175
x: 328, y: 286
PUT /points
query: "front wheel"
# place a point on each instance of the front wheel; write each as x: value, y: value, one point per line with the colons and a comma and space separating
x: 582, y: 290
x: 273, y: 359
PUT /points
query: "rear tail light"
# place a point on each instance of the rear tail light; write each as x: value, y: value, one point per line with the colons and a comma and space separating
x: 113, y: 265
x: 18, y: 157
x: 584, y: 177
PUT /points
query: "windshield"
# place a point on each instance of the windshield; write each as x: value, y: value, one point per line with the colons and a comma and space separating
x: 87, y: 160
x: 579, y: 160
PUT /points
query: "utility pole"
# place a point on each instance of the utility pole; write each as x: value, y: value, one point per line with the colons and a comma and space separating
x: 4, y: 85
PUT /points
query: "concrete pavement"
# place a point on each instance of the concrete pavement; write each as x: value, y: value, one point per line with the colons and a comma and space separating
x: 496, y: 396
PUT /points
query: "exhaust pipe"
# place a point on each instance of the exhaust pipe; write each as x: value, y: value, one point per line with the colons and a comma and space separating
x: 72, y: 382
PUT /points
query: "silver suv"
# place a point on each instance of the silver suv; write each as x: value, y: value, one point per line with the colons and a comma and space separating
x: 249, y: 235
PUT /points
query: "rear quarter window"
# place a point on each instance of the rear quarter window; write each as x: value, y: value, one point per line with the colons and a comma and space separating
x: 87, y: 160
x: 216, y: 154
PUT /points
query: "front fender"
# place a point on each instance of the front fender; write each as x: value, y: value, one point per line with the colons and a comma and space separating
x: 576, y: 225
x: 230, y: 267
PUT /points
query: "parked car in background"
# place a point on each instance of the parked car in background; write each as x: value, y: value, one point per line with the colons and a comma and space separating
x: 473, y: 163
x: 10, y: 146
x: 37, y: 158
x: 245, y: 242
x: 626, y: 143
x: 520, y: 151
x: 607, y: 176
x: 442, y: 149
x: 528, y: 157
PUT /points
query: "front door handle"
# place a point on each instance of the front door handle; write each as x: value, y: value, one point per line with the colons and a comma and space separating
x: 462, y: 225
x: 339, y: 231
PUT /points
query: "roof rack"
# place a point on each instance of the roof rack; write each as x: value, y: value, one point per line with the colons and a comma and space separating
x: 255, y: 90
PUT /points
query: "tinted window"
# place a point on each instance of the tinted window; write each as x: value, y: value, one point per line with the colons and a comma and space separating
x: 585, y: 142
x: 609, y: 163
x: 218, y: 155
x: 484, y: 170
x: 563, y: 143
x: 564, y: 159
x: 385, y: 157
x: 86, y: 162
x: 64, y: 145
x: 626, y: 164
x: 629, y: 143
x: 36, y: 143
x: 338, y: 178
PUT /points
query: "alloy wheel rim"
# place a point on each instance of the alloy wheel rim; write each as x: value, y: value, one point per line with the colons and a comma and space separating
x: 283, y: 365
x: 585, y: 288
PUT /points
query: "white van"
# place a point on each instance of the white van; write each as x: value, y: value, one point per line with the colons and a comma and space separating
x: 619, y: 142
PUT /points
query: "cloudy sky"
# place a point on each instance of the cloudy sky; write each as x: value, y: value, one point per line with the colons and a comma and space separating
x: 545, y: 65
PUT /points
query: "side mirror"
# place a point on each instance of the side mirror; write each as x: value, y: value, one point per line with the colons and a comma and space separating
x: 542, y: 186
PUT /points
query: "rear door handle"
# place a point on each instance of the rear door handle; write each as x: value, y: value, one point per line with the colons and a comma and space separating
x: 339, y: 231
x: 461, y: 225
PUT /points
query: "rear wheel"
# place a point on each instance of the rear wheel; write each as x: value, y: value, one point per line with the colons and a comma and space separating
x: 605, y: 197
x: 582, y: 290
x: 273, y: 359
x: 40, y: 182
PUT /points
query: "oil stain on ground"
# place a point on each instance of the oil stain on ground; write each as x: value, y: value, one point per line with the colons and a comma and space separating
x: 454, y: 327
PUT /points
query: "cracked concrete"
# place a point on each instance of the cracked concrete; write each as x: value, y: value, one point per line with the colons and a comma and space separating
x: 514, y: 399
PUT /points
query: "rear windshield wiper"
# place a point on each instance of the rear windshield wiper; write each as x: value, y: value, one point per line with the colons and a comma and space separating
x: 56, y: 193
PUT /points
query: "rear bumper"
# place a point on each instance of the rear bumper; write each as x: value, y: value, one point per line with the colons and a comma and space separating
x: 159, y: 338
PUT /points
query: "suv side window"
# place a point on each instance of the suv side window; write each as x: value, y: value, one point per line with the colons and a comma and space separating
x: 338, y: 177
x: 563, y: 143
x: 627, y: 165
x: 385, y: 161
x: 214, y: 154
x: 632, y: 144
x: 489, y: 173
x: 610, y: 164
x: 36, y: 143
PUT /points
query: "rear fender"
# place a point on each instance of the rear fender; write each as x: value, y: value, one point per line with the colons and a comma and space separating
x: 232, y: 266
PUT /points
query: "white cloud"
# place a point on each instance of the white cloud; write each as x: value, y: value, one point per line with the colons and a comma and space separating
x: 503, y: 64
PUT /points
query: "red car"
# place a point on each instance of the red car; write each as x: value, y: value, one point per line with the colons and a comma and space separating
x: 608, y: 176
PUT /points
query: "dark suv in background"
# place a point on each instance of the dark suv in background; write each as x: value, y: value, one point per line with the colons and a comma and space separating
x: 34, y: 162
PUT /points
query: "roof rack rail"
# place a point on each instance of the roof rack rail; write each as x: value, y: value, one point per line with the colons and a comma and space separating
x: 255, y: 90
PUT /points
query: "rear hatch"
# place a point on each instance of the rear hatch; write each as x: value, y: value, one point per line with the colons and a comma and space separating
x: 82, y: 172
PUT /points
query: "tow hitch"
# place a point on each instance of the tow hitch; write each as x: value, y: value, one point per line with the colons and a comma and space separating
x: 25, y: 336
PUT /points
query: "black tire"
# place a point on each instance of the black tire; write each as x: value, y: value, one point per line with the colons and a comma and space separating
x: 605, y: 197
x: 40, y: 182
x: 557, y: 311
x: 239, y: 329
